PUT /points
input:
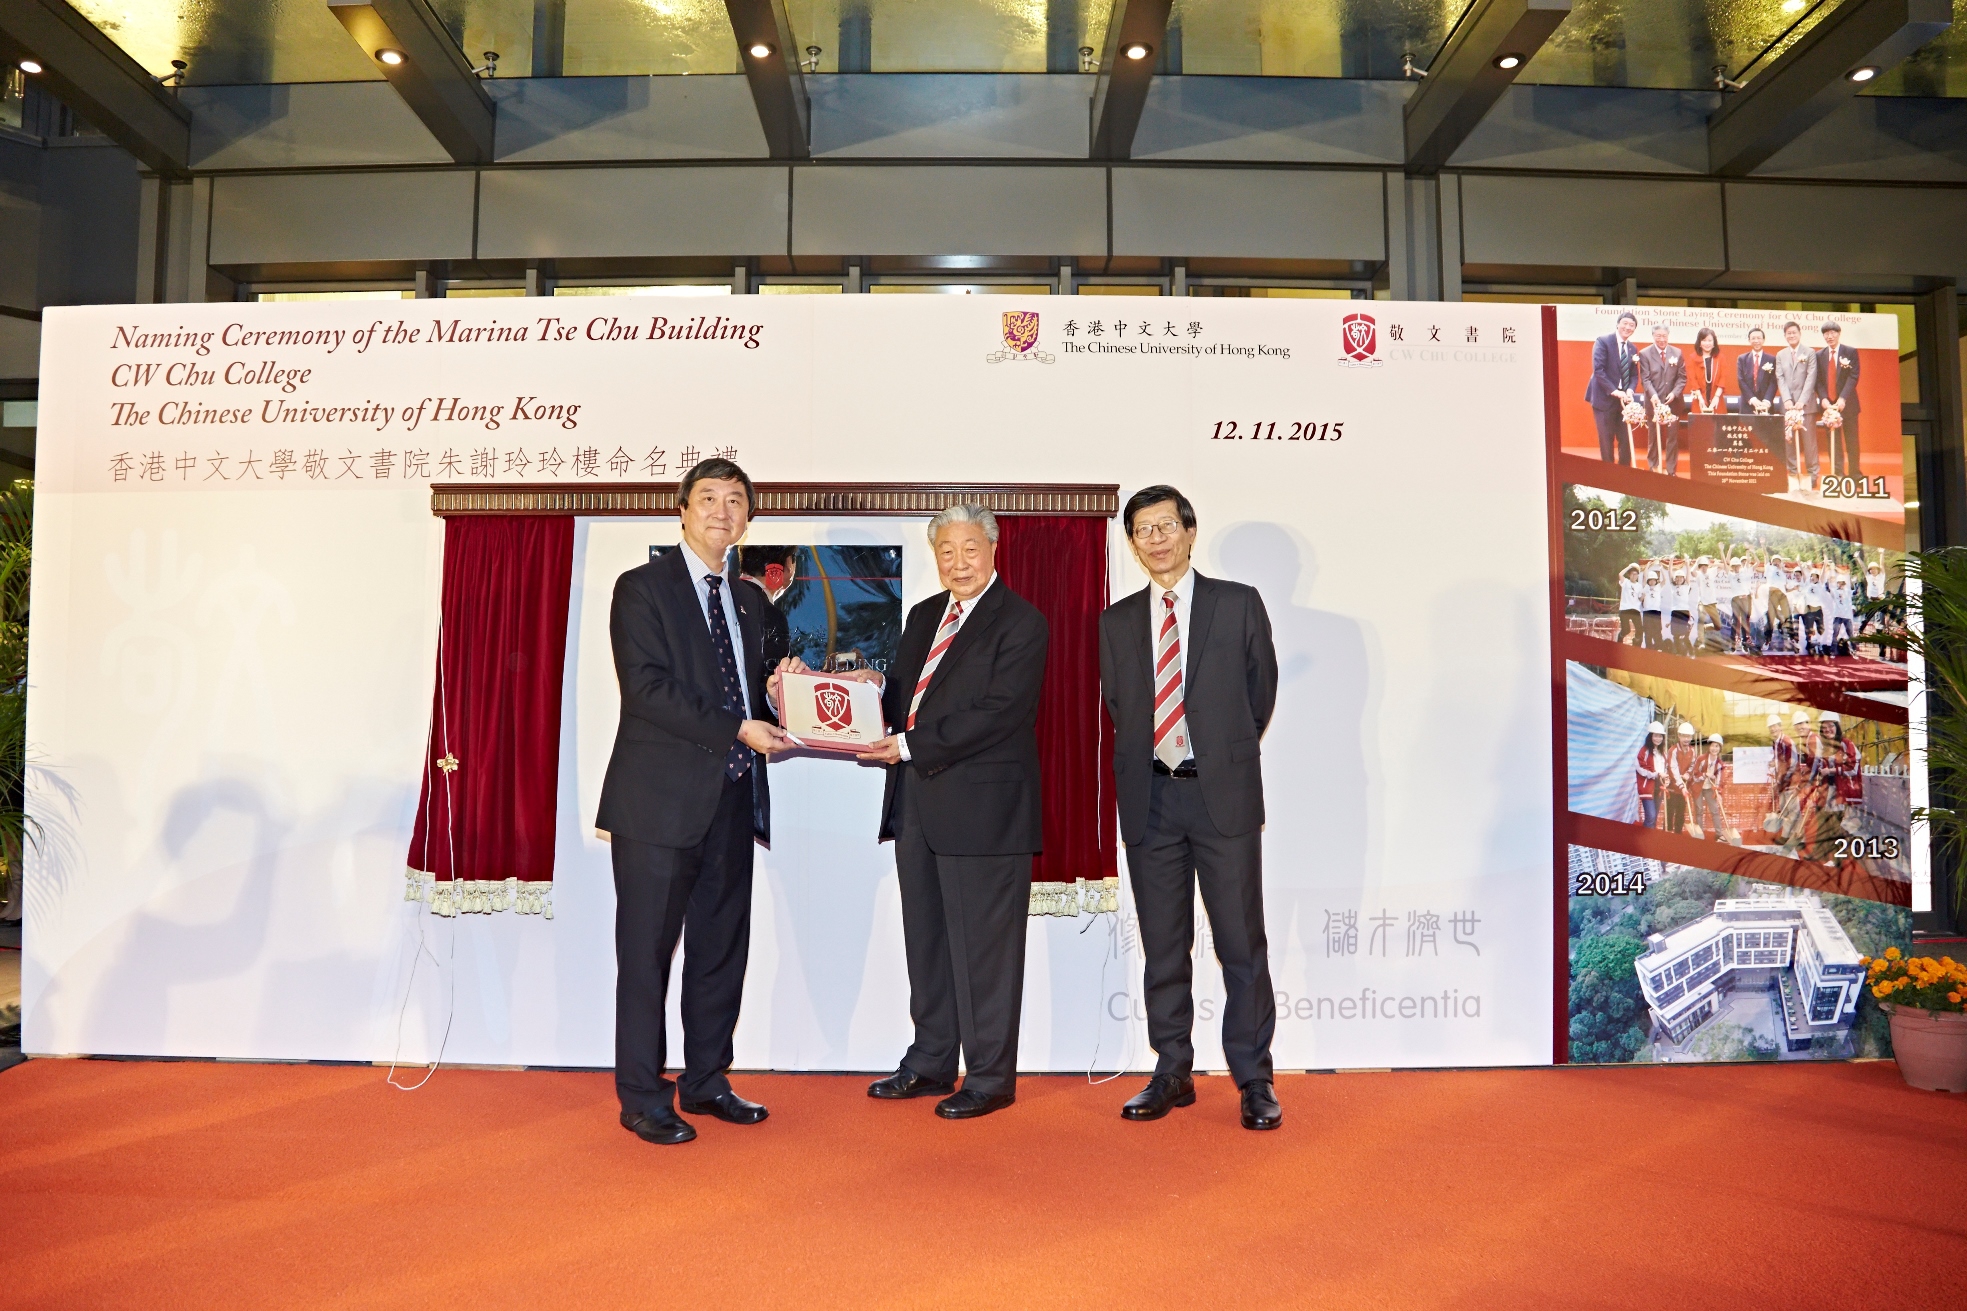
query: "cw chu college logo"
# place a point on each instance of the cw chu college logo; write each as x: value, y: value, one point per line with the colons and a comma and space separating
x: 1359, y: 338
x: 1020, y: 339
x: 834, y: 707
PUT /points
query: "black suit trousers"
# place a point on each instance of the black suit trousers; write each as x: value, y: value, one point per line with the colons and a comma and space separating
x: 963, y: 930
x: 1844, y: 448
x: 1614, y: 441
x: 1183, y: 847
x: 659, y: 891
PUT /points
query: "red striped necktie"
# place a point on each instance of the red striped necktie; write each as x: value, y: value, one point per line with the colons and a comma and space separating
x: 1170, y: 723
x: 944, y: 636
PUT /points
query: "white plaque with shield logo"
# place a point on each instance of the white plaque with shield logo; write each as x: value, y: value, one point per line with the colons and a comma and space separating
x: 830, y: 713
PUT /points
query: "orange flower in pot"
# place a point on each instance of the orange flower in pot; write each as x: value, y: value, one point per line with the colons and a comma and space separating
x: 1926, y: 1001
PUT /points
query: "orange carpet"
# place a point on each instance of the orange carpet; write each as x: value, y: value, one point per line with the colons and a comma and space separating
x: 204, y: 1185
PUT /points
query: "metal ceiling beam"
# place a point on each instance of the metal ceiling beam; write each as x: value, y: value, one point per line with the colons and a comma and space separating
x: 770, y: 56
x: 1120, y: 91
x: 1488, y: 47
x: 433, y: 76
x: 92, y: 76
x: 1805, y: 83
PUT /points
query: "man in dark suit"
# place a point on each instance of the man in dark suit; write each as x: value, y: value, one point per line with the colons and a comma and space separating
x: 1663, y: 382
x: 1755, y: 376
x: 1837, y: 389
x: 1190, y: 677
x: 1613, y: 380
x: 684, y: 795
x: 963, y: 807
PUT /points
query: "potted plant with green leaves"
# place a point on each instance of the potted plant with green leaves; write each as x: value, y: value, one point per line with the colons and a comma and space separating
x: 1927, y: 998
x: 16, y: 559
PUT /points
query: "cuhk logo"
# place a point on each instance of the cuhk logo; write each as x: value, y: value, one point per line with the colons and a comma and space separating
x: 1359, y: 336
x: 834, y: 706
x: 1020, y: 329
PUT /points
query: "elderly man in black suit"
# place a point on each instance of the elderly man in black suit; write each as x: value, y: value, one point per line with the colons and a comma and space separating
x: 1190, y: 678
x: 684, y: 796
x: 1663, y: 381
x: 1837, y: 389
x: 963, y: 807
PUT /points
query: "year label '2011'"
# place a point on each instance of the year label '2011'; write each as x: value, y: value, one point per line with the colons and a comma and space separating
x: 1229, y: 430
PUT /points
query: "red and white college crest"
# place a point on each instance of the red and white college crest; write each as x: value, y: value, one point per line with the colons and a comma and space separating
x: 1359, y: 337
x: 834, y: 707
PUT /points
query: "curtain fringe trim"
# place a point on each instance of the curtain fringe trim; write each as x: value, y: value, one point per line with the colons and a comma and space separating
x: 1082, y: 896
x: 451, y: 897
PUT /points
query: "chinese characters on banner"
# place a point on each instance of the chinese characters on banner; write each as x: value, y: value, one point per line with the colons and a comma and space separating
x: 407, y: 465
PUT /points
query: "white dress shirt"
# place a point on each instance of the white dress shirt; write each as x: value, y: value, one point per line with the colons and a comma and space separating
x: 699, y: 573
x: 969, y: 608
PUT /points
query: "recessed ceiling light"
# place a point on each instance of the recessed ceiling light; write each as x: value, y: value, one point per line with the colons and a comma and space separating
x: 759, y: 50
x: 390, y: 57
x: 1138, y: 50
x: 29, y: 66
x: 1865, y: 74
x: 1507, y: 62
x: 1791, y: 6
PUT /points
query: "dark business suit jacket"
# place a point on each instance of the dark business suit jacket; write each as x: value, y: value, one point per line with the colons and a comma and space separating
x: 1664, y: 375
x: 1756, y: 384
x: 667, y: 768
x: 973, y: 753
x: 1605, y: 371
x: 1228, y: 691
x: 1841, y: 380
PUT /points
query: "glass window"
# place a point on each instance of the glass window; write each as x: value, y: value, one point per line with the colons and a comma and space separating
x: 963, y: 288
x: 1287, y: 293
x: 19, y: 414
x: 1644, y: 43
x: 1538, y: 298
x: 1119, y: 289
x: 1306, y: 38
x: 335, y: 295
x: 799, y: 288
x: 654, y: 289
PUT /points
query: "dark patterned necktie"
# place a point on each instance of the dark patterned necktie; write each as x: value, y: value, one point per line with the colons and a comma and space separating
x: 738, y: 759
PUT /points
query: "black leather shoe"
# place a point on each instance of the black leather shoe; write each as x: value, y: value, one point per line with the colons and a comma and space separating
x: 728, y: 1107
x: 665, y: 1127
x: 905, y: 1083
x: 1260, y: 1108
x: 1164, y: 1092
x: 968, y: 1105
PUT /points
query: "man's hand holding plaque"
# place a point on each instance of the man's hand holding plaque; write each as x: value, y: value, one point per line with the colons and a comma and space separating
x: 828, y: 712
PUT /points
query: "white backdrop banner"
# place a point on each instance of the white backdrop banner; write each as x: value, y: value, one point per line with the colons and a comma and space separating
x: 235, y: 614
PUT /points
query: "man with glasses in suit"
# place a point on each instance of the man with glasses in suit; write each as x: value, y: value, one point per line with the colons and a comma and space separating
x: 684, y: 796
x: 1189, y: 674
x: 1613, y: 379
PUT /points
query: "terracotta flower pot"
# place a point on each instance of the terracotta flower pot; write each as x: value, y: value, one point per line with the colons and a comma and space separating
x: 1931, y: 1047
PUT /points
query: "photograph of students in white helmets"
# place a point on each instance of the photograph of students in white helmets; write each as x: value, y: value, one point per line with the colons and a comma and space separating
x: 1721, y: 766
x: 1691, y: 583
x: 1673, y: 963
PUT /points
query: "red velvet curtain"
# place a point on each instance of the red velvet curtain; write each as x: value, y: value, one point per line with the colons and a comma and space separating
x: 485, y: 822
x: 1058, y: 563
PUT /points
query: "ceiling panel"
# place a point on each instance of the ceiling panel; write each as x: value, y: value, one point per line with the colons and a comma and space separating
x: 1625, y: 43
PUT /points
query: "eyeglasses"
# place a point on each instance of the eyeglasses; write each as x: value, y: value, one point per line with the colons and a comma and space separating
x: 1147, y: 531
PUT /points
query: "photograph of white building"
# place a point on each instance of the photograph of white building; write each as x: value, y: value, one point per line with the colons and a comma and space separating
x: 1780, y: 941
